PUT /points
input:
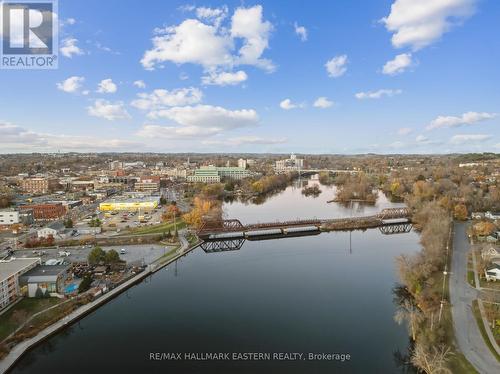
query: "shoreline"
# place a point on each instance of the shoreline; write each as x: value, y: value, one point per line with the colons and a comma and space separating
x: 22, y: 348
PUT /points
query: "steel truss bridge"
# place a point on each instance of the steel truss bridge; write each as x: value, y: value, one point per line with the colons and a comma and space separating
x: 227, y: 235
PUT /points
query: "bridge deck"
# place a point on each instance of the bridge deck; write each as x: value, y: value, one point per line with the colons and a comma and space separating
x: 234, y: 225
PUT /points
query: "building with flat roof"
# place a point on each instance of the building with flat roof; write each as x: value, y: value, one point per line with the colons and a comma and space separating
x: 150, y: 186
x: 143, y: 204
x: 214, y: 174
x: 10, y: 271
x: 46, y: 278
x: 10, y: 217
x: 45, y: 212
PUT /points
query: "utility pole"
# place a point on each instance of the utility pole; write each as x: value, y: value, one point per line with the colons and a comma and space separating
x: 445, y: 272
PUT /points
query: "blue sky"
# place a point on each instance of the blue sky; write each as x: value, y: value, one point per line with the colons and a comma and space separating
x: 386, y: 76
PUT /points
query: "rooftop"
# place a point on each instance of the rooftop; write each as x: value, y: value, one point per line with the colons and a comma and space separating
x: 46, y: 270
x: 14, y: 265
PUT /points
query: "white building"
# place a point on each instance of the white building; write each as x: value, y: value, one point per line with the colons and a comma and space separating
x: 9, y: 217
x: 114, y: 165
x: 493, y: 273
x: 242, y: 163
x: 492, y: 215
x: 56, y: 230
x: 290, y: 164
x: 9, y: 278
x: 13, y: 217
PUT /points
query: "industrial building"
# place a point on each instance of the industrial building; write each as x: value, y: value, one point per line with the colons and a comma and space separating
x: 143, y: 204
x: 10, y: 271
x: 45, y: 212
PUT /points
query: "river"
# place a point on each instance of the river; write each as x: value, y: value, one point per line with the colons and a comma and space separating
x: 329, y: 293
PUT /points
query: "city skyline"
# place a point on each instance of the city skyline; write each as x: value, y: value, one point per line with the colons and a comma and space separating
x: 258, y: 77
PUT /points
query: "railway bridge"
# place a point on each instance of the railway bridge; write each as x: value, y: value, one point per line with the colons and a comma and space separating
x: 230, y: 229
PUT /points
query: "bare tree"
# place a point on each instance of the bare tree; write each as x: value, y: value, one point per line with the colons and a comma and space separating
x: 408, y: 311
x: 432, y: 360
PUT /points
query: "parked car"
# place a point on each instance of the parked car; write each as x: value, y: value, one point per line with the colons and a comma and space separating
x: 123, y: 251
x: 64, y: 253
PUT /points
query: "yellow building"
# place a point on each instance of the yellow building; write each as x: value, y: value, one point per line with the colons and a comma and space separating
x: 143, y: 205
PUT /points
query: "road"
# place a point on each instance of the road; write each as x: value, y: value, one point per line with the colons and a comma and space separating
x: 469, y: 338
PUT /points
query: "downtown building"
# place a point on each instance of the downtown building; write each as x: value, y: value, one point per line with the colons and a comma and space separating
x: 290, y: 164
x: 213, y: 174
x: 39, y: 185
x: 45, y: 212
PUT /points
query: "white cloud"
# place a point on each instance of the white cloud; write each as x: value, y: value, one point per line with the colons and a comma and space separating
x: 208, y: 116
x: 418, y: 24
x: 301, y: 31
x: 243, y: 140
x: 468, y: 118
x: 139, y: 84
x: 212, y: 15
x: 469, y: 138
x: 287, y: 104
x: 18, y: 138
x: 212, y: 45
x: 161, y: 98
x: 198, y: 121
x: 69, y: 48
x: 69, y: 21
x: 405, y: 131
x: 71, y: 85
x: 171, y: 132
x: 190, y: 42
x: 377, y: 94
x: 224, y: 78
x: 247, y: 23
x: 397, y: 145
x: 106, y: 86
x: 323, y: 102
x: 421, y: 139
x: 108, y: 110
x: 398, y: 65
x: 336, y: 67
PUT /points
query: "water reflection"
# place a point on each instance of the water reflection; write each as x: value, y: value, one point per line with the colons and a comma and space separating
x: 303, y: 294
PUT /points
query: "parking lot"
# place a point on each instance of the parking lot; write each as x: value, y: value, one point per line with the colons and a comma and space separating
x: 134, y: 254
x: 119, y: 221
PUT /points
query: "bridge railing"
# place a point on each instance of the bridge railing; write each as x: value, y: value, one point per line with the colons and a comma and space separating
x: 235, y: 225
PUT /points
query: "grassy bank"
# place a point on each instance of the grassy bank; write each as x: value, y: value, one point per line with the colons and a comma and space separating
x: 21, y: 312
x: 156, y: 229
x: 42, y: 321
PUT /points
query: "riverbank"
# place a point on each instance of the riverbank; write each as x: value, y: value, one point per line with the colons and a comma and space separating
x: 19, y: 350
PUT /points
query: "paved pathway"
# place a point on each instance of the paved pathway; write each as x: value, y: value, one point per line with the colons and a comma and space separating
x: 469, y: 338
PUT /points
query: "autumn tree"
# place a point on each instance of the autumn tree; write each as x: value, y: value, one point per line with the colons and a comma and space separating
x: 484, y: 228
x: 200, y: 209
x: 460, y: 212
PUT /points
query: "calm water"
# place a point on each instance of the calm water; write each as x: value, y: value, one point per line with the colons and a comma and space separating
x: 308, y: 294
